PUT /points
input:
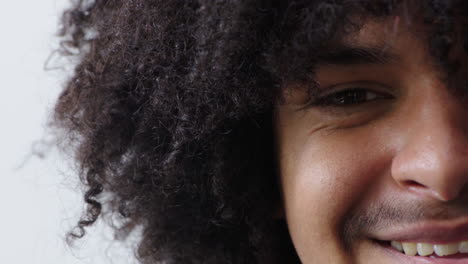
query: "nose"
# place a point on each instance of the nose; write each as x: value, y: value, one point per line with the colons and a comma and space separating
x: 433, y: 158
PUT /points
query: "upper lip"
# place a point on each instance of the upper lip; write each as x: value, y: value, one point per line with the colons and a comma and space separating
x: 434, y: 232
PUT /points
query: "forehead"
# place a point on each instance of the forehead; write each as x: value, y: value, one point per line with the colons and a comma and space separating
x: 399, y: 38
x: 410, y: 26
x: 384, y: 41
x: 392, y: 47
x: 379, y: 32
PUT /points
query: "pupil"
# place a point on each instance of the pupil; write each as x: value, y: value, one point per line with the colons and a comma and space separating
x: 350, y: 97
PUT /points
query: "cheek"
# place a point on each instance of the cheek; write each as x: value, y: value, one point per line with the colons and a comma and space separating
x: 323, y: 178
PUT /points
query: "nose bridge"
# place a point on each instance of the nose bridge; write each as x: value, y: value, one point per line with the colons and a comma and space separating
x: 433, y: 158
x: 438, y: 129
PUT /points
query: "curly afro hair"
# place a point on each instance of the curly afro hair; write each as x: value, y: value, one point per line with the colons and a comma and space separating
x: 169, y: 114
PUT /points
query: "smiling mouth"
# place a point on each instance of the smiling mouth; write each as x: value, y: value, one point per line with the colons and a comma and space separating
x: 427, y: 249
x: 441, y: 253
x: 430, y: 242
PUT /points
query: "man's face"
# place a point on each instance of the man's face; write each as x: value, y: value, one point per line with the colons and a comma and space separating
x: 380, y: 157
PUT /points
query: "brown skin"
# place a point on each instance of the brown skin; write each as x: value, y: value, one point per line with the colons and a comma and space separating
x: 404, y: 148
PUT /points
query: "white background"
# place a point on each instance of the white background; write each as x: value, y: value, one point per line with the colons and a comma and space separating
x: 39, y: 198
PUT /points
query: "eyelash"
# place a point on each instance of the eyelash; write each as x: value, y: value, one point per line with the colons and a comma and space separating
x: 342, y: 98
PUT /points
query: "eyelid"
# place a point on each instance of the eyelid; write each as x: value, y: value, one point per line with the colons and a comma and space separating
x: 364, y: 85
x: 323, y: 92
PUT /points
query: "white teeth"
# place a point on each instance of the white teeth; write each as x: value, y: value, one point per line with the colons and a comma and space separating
x: 463, y: 247
x: 397, y: 245
x: 425, y: 249
x: 445, y: 250
x: 409, y: 248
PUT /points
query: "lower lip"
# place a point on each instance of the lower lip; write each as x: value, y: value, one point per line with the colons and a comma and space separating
x: 402, y: 258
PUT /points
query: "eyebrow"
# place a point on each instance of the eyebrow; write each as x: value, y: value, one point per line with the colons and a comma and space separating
x: 355, y: 55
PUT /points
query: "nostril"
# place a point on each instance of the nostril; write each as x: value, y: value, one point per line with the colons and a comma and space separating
x: 413, y: 184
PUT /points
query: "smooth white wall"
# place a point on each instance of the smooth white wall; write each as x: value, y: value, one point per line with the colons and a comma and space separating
x: 39, y: 198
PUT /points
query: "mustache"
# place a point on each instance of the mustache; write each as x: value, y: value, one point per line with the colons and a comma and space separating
x: 379, y: 215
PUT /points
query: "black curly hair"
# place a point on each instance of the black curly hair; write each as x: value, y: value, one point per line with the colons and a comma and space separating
x: 169, y: 113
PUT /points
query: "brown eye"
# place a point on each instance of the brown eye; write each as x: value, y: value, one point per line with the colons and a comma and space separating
x: 348, y: 97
